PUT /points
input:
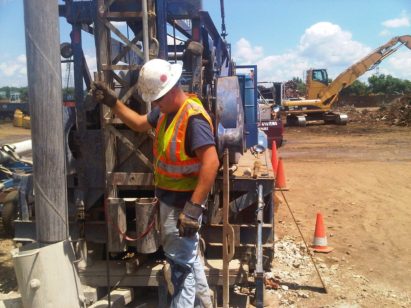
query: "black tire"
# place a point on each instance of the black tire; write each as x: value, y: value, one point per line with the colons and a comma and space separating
x: 9, y: 212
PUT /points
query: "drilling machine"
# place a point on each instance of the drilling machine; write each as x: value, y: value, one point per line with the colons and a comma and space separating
x: 110, y: 189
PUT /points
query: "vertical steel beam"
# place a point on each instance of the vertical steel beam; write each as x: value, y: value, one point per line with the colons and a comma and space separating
x: 78, y: 77
x: 103, y: 48
x: 46, y: 108
x: 146, y: 48
x: 145, y: 31
x: 197, y: 66
x: 228, y: 231
x: 161, y: 20
x: 81, y: 190
x: 259, y: 271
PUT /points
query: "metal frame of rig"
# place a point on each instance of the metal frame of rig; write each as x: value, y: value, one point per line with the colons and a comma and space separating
x: 110, y: 172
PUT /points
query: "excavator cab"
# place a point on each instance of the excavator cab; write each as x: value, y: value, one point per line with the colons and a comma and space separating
x: 320, y: 75
x: 317, y: 80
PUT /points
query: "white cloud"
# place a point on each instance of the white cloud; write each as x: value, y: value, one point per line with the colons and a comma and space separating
x: 13, y: 72
x: 244, y: 52
x: 400, y: 22
x: 91, y: 63
x: 22, y: 59
x: 328, y: 43
x: 23, y: 71
x: 397, y: 22
x: 13, y: 67
x: 385, y: 32
x: 281, y: 67
x: 323, y: 45
x: 399, y: 64
x: 8, y: 69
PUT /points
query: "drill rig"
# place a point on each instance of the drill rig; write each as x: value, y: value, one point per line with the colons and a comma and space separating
x: 110, y: 191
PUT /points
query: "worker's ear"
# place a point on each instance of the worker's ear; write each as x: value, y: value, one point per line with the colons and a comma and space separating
x: 174, y: 90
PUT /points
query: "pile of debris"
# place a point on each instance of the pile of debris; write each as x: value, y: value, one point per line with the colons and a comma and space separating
x: 290, y: 90
x: 397, y: 112
x: 292, y: 262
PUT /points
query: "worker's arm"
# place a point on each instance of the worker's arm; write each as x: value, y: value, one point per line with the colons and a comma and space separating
x: 103, y: 94
x: 208, y: 171
x: 132, y: 119
x: 189, y: 219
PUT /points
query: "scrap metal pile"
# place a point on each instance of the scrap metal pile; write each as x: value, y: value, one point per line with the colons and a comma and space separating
x: 397, y: 112
x: 291, y: 91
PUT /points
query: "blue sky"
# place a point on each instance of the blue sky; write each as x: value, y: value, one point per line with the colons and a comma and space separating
x: 283, y: 37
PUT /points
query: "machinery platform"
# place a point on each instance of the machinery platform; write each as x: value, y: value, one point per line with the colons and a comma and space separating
x: 254, y: 166
x: 150, y: 274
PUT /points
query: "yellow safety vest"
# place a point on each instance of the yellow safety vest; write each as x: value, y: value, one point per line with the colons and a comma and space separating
x: 174, y: 169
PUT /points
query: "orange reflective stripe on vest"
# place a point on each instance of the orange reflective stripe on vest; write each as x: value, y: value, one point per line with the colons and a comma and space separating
x: 174, y: 169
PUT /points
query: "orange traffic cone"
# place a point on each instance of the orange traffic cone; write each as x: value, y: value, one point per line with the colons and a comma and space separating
x: 320, y: 239
x: 280, y: 177
x: 274, y: 157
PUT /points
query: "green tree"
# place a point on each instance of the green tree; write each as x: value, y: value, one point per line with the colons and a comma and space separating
x: 356, y: 88
x: 7, y: 92
x: 68, y: 94
x: 407, y: 87
x: 300, y: 84
x: 24, y: 94
x: 386, y: 84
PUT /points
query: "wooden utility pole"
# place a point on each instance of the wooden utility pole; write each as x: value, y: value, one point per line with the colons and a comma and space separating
x: 46, y: 110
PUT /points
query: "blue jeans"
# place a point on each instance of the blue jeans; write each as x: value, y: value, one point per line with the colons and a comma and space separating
x: 192, y: 289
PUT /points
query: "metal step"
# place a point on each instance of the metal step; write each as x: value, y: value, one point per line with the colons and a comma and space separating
x: 150, y: 274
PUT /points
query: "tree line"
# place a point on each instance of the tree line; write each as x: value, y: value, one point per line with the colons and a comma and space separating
x: 6, y: 92
x: 377, y: 85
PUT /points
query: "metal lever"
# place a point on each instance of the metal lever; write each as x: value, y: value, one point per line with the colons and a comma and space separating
x: 228, y: 231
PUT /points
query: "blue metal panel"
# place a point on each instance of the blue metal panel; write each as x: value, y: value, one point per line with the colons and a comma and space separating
x: 161, y: 25
x: 248, y: 84
x: 78, y: 11
x: 10, y: 108
x: 181, y: 9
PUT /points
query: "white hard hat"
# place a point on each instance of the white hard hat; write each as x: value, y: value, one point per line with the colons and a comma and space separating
x: 156, y: 78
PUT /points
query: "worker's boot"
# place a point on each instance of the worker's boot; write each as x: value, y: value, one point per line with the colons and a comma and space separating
x: 174, y: 275
x: 168, y: 278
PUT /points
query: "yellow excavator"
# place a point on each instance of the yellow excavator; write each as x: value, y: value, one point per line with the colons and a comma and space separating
x: 321, y: 95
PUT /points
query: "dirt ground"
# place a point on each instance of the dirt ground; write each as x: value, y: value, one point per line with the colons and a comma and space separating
x: 11, y: 134
x: 359, y: 177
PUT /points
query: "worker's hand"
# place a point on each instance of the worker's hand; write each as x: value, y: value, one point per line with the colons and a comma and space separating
x: 103, y: 94
x: 189, y: 219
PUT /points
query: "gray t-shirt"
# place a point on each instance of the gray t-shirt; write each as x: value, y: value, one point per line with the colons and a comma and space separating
x: 198, y: 134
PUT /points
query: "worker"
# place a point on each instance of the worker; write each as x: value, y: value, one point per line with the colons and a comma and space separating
x: 185, y: 167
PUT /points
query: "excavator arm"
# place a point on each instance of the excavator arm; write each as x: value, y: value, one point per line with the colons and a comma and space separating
x: 329, y: 94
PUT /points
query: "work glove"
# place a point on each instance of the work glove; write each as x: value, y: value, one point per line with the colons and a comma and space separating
x: 189, y: 219
x: 103, y: 94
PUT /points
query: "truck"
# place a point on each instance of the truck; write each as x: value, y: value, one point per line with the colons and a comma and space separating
x: 270, y: 117
x: 322, y: 94
x: 108, y: 169
x: 8, y: 105
x: 8, y: 108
